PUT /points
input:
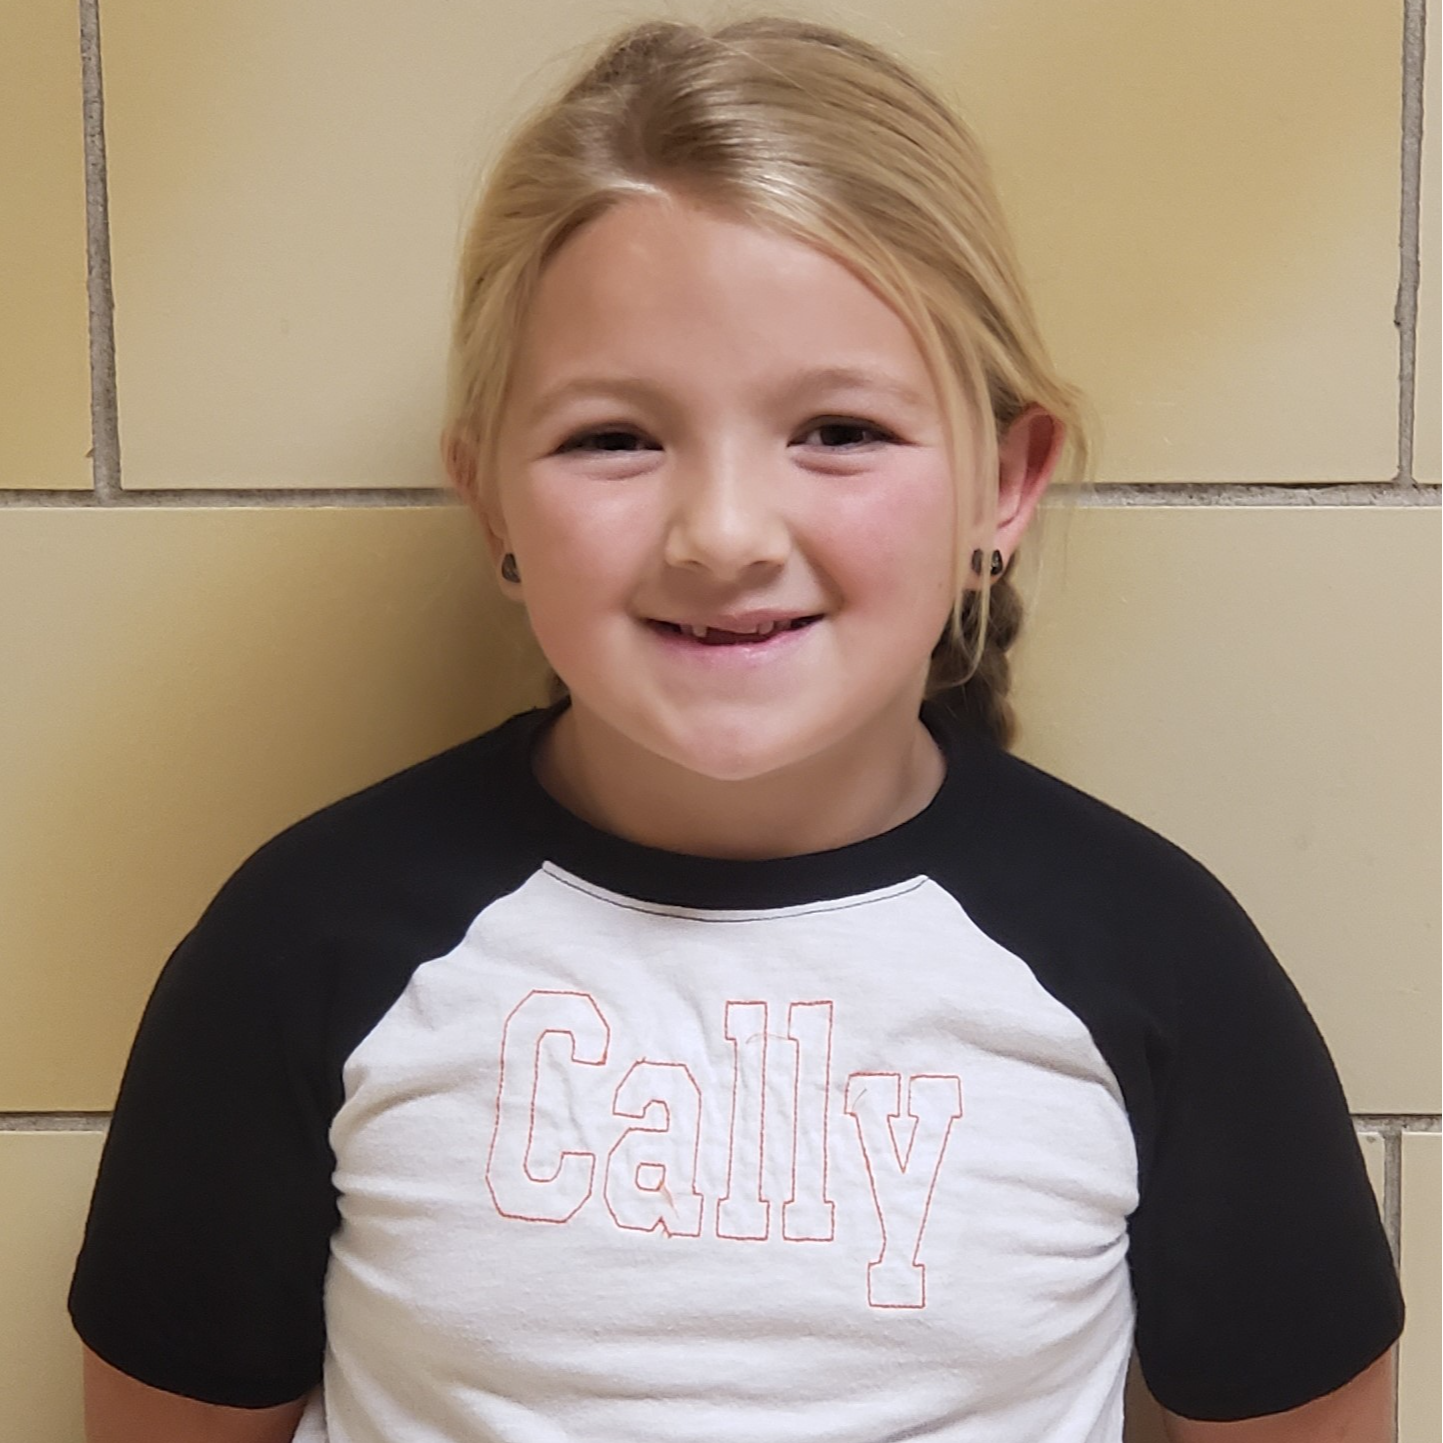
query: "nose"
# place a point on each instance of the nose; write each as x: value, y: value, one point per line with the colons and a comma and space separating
x: 725, y: 514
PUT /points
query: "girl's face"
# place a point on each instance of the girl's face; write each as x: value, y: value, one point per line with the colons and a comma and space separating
x: 708, y: 420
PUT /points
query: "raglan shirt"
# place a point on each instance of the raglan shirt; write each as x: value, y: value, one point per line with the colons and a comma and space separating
x: 477, y: 1122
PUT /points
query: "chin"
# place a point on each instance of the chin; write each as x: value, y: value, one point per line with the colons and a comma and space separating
x: 738, y: 751
x: 731, y: 768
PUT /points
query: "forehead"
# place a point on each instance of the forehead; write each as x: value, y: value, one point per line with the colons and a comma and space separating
x: 664, y: 287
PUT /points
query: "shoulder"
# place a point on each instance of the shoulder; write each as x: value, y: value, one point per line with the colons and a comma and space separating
x: 1068, y: 858
x: 1125, y: 928
x: 432, y: 839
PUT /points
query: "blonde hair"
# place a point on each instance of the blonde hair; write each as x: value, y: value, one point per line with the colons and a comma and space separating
x: 828, y: 139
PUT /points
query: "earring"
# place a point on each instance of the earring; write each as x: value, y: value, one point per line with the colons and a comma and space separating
x: 508, y: 568
x: 996, y: 566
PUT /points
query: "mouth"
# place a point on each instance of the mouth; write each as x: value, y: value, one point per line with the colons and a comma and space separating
x: 713, y: 637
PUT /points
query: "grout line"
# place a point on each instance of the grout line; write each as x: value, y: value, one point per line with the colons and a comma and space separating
x: 1118, y: 495
x: 1393, y: 1192
x: 1405, y: 313
x: 1393, y: 1227
x: 239, y: 497
x: 1396, y: 1121
x: 104, y: 418
x: 1391, y: 1126
x: 1392, y: 1211
x: 1243, y: 493
x: 53, y: 1121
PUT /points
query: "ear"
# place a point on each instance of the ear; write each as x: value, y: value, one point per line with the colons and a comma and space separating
x: 1027, y: 454
x: 458, y: 456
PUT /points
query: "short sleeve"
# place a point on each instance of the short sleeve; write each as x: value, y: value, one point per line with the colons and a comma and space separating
x: 1261, y: 1269
x: 203, y: 1261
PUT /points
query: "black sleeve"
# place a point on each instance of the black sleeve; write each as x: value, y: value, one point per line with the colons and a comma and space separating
x: 204, y: 1255
x: 1261, y: 1270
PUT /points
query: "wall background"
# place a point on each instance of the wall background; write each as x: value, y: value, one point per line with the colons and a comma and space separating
x: 234, y: 591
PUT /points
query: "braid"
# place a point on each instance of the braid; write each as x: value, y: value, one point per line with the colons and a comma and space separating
x: 979, y: 695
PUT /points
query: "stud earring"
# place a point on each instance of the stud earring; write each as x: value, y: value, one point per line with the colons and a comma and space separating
x: 996, y: 566
x: 508, y: 568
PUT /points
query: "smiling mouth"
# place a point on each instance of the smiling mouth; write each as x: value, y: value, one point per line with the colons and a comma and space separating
x: 732, y: 638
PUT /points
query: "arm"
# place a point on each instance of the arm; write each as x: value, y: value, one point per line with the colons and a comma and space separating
x: 202, y: 1266
x: 1263, y: 1274
x: 120, y: 1409
x: 1361, y: 1411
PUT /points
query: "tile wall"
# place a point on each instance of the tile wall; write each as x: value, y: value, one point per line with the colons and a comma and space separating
x: 234, y: 590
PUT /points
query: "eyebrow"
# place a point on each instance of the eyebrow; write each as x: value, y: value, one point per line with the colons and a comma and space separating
x: 808, y: 382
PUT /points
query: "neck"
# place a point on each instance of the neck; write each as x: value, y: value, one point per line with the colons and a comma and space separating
x: 871, y: 781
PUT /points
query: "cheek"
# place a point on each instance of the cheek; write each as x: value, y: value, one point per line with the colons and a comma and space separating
x: 895, y: 540
x: 579, y: 563
x: 567, y: 531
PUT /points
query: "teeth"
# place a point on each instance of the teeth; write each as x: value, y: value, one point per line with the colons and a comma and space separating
x: 765, y: 629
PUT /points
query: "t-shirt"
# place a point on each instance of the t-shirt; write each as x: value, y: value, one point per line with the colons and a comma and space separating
x: 502, y: 1128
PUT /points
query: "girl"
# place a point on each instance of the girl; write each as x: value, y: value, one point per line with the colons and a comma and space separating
x: 744, y: 1045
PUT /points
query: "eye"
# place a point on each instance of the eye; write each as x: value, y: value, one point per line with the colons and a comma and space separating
x: 609, y: 439
x: 838, y: 426
x: 839, y: 433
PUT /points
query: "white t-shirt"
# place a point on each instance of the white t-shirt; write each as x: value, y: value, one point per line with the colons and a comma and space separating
x: 503, y: 1129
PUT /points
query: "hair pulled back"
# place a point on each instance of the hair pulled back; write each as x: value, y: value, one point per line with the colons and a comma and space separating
x: 826, y: 138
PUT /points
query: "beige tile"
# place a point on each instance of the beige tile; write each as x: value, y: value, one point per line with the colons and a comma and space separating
x: 1420, y: 1419
x: 286, y: 193
x: 185, y: 684
x: 45, y: 1181
x: 1262, y: 686
x: 1206, y: 198
x: 1428, y: 377
x: 44, y: 364
x: 1371, y: 1144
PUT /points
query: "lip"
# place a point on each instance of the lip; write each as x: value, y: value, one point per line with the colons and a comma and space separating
x: 686, y: 648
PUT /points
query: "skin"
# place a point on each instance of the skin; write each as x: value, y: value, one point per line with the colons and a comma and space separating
x: 731, y: 496
x: 120, y: 1409
x: 728, y: 483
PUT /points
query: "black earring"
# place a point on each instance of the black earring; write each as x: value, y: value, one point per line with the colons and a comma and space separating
x: 996, y: 566
x: 508, y: 568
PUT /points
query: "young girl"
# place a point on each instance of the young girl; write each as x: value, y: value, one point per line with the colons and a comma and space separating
x: 746, y: 1045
